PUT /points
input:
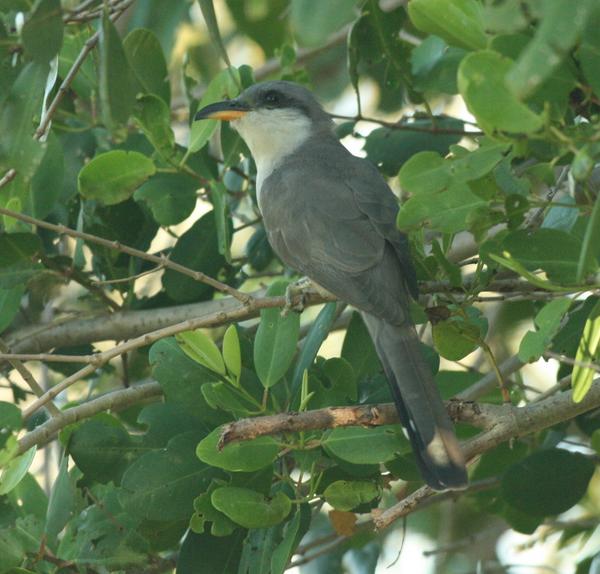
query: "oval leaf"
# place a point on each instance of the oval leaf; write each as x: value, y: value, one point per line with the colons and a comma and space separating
x: 250, y: 508
x: 548, y: 482
x: 348, y: 494
x: 231, y: 351
x: 113, y: 176
x: 243, y: 456
x: 276, y: 340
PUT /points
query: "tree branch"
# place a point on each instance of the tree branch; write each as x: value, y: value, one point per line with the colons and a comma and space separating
x: 118, y: 246
x: 514, y: 423
x: 115, y: 400
x: 219, y: 318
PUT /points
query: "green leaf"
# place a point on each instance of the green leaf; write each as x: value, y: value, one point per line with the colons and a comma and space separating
x: 210, y: 18
x: 170, y: 196
x: 163, y: 484
x: 232, y: 354
x: 86, y: 79
x: 61, y: 505
x: 18, y: 148
x: 218, y: 196
x: 182, y: 380
x: 226, y: 397
x: 332, y: 382
x: 534, y: 486
x: 547, y: 321
x: 358, y: 349
x: 42, y: 34
x: 314, y: 22
x: 204, y: 512
x: 459, y: 22
x: 587, y: 351
x: 16, y: 470
x: 447, y: 212
x: 249, y: 508
x: 481, y: 81
x: 366, y: 445
x: 554, y: 251
x: 348, y: 494
x: 101, y: 449
x: 18, y: 255
x: 242, y: 456
x: 590, y: 249
x: 197, y: 249
x: 258, y: 250
x: 147, y: 60
x: 47, y: 183
x: 291, y: 538
x: 154, y: 118
x: 113, y: 176
x: 203, y: 553
x: 312, y: 343
x: 390, y: 148
x: 116, y: 82
x: 276, y: 339
x: 434, y: 66
x: 559, y: 30
x: 201, y: 348
x: 221, y: 87
x: 455, y: 338
x: 10, y: 300
x: 589, y: 52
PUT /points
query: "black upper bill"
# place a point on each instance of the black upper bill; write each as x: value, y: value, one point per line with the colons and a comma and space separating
x: 227, y: 110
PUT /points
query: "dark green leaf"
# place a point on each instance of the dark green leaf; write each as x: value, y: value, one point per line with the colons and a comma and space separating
x: 258, y: 250
x: 276, y: 339
x: 390, y: 148
x: 10, y: 300
x: 456, y: 338
x: 312, y: 342
x: 590, y: 248
x: 163, y: 484
x: 61, y: 504
x: 218, y: 195
x: 197, y: 249
x: 206, y: 554
x: 47, y: 183
x: 101, y: 451
x: 534, y: 486
x: 116, y: 82
x: 204, y: 512
x: 358, y: 349
x: 154, y: 118
x: 43, y: 33
x: 170, y: 196
x: 15, y: 471
x: 113, y: 176
x: 147, y: 61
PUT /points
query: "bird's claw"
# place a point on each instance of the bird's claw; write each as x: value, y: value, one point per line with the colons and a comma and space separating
x: 295, y: 296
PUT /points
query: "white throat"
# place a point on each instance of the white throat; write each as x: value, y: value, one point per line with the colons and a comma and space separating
x: 272, y: 135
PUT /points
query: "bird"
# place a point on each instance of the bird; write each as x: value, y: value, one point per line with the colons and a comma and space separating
x: 331, y: 216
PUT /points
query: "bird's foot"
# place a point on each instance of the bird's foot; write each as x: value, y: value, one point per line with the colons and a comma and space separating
x: 295, y: 296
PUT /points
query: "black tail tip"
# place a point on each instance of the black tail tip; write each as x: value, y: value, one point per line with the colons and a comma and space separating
x: 446, y: 478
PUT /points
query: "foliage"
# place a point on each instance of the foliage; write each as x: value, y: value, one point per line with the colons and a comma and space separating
x: 145, y: 486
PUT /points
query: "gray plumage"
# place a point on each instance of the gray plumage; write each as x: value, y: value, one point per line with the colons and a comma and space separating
x: 331, y: 216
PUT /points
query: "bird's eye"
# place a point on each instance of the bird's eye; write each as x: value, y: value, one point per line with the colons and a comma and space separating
x: 272, y: 98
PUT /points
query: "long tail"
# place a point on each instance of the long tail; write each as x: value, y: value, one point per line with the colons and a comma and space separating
x: 419, y: 404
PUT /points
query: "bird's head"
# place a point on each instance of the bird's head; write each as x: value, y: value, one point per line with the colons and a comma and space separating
x: 274, y: 116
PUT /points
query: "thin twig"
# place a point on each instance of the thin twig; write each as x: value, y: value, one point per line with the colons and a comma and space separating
x: 46, y: 357
x: 118, y: 246
x: 219, y: 318
x: 131, y: 278
x: 8, y: 177
x: 570, y: 361
x: 27, y: 377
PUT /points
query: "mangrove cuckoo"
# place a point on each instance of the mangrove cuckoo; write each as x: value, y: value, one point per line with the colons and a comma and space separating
x: 332, y: 217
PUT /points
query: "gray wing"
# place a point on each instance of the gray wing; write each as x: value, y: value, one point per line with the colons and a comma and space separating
x: 340, y: 230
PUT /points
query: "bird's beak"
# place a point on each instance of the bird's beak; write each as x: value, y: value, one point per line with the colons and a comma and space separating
x: 227, y: 110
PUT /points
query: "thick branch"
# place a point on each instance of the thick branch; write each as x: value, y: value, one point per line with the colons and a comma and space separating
x: 219, y: 318
x: 479, y: 415
x: 514, y: 423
